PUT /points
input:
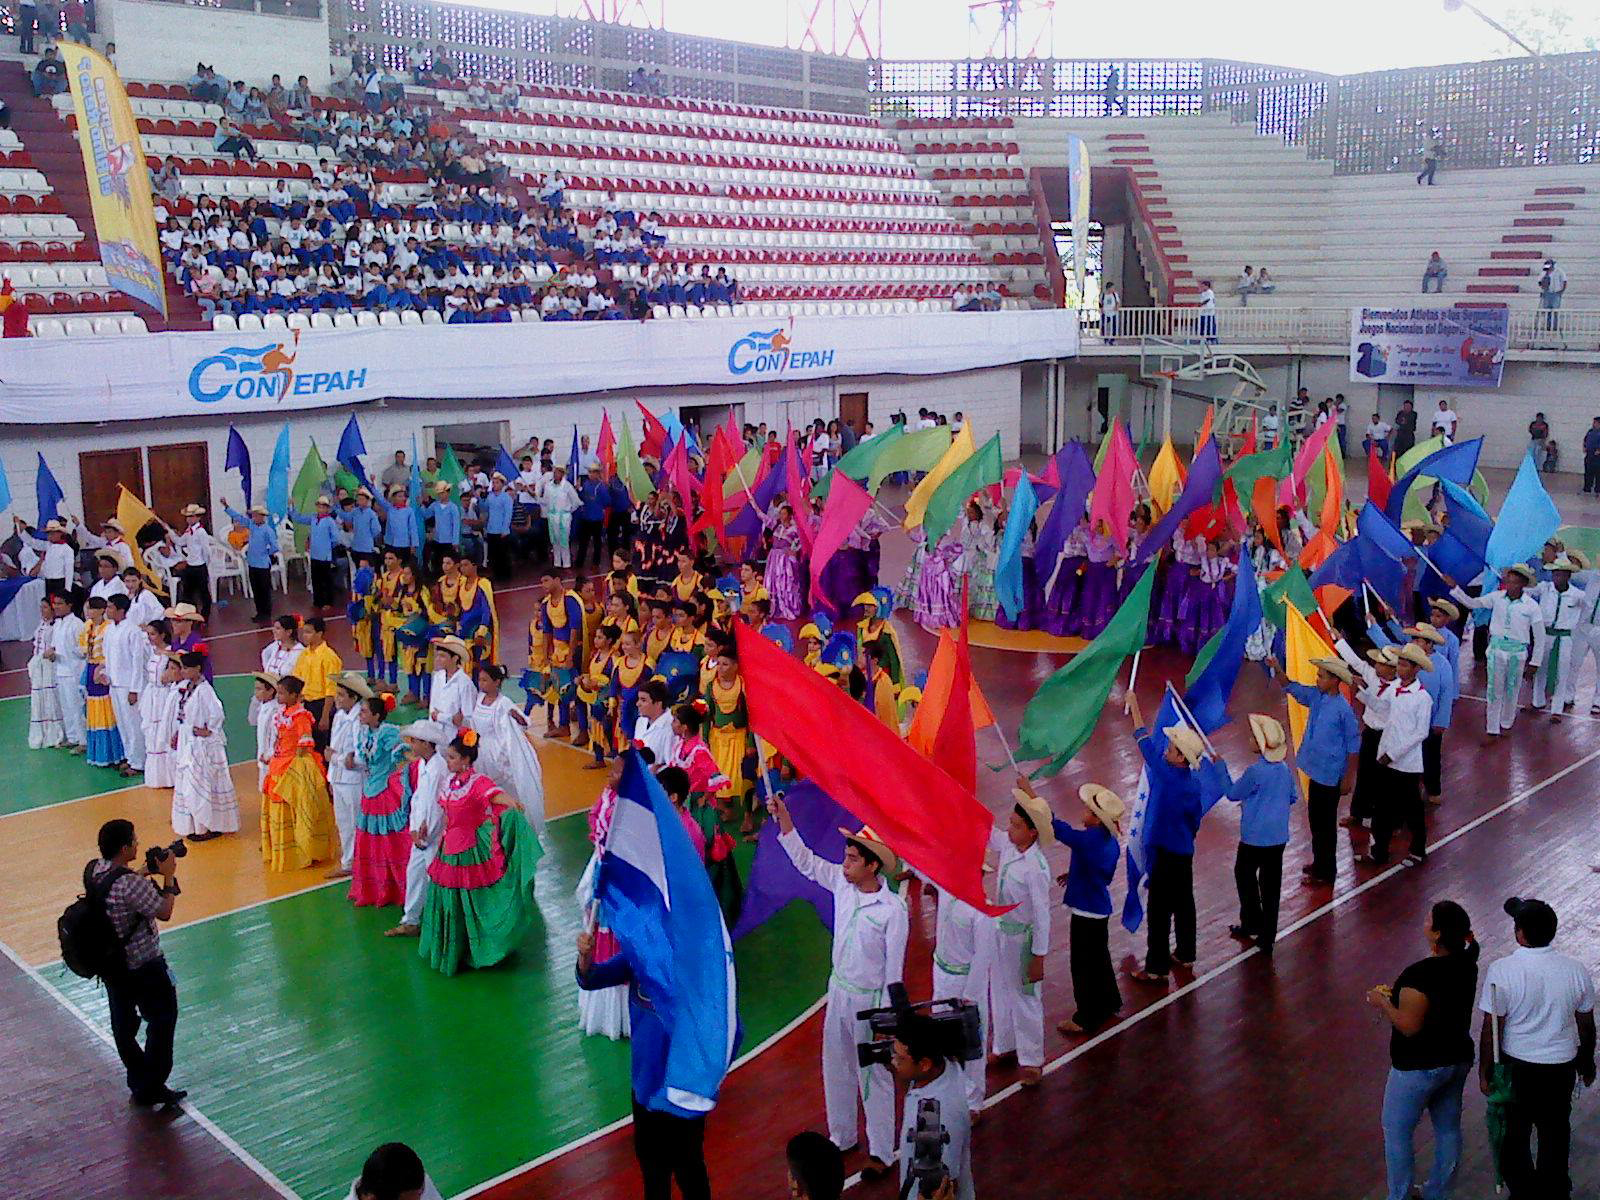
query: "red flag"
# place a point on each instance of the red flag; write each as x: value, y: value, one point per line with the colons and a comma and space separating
x: 1378, y: 481
x: 842, y: 511
x: 949, y: 716
x: 1248, y: 446
x: 654, y: 442
x: 678, y: 474
x: 713, y: 514
x: 734, y: 434
x: 607, y: 447
x: 799, y: 492
x: 921, y: 813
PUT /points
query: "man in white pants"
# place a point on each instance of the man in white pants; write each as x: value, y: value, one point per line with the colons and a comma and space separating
x: 127, y: 649
x: 425, y: 740
x: 963, y: 942
x: 345, y: 773
x: 67, y: 655
x: 1515, y: 619
x: 1564, y: 608
x: 870, y: 926
x: 1022, y: 936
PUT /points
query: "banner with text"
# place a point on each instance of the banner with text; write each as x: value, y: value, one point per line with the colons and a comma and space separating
x: 1458, y: 346
x: 202, y: 374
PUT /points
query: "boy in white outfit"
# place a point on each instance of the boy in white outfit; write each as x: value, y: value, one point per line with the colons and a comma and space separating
x: 1515, y: 619
x: 425, y: 739
x: 963, y: 942
x: 1022, y: 936
x: 67, y: 656
x: 345, y: 773
x: 127, y: 650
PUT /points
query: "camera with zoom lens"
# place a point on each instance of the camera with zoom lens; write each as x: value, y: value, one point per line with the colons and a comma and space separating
x: 926, y: 1170
x: 960, y: 1031
x: 154, y: 856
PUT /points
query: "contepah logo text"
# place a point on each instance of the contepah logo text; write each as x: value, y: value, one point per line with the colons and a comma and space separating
x: 265, y: 373
x: 771, y: 352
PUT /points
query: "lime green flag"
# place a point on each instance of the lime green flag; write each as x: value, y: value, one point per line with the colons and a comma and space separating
x: 743, y: 475
x: 1275, y: 463
x: 985, y: 467
x: 1292, y: 587
x: 307, y: 487
x: 450, y: 471
x: 629, y: 469
x: 917, y: 451
x: 859, y: 462
x: 1105, y: 444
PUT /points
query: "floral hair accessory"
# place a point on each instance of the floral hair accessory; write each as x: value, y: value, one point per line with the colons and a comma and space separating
x: 469, y: 737
x: 388, y: 702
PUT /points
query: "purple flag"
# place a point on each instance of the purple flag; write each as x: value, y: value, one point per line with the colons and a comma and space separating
x: 1077, y: 481
x: 773, y: 880
x: 748, y: 523
x: 1204, y: 474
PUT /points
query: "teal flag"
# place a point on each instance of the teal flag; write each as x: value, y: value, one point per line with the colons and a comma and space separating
x: 278, y: 477
x: 858, y: 463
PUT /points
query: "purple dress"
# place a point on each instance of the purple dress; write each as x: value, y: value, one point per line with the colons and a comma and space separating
x: 783, y: 574
x: 1058, y: 615
x: 1097, y: 597
x: 938, y: 601
x: 1032, y: 614
x: 1180, y: 576
x: 853, y: 569
x: 1205, y: 607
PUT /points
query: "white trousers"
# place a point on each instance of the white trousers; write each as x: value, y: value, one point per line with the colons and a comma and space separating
x: 1016, y: 1007
x: 74, y: 715
x: 1586, y: 645
x: 346, y: 806
x: 843, y: 1079
x: 1557, y: 678
x: 130, y: 724
x: 1505, y: 685
x: 417, y: 882
x: 972, y: 987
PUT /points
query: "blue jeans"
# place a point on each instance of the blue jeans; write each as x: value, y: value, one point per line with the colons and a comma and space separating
x: 1405, y: 1097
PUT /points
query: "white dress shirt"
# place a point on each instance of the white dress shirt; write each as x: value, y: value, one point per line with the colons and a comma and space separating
x: 127, y: 649
x: 657, y: 736
x: 194, y: 544
x: 452, y: 695
x: 869, y: 928
x: 427, y: 817
x: 1519, y: 620
x: 1409, y: 719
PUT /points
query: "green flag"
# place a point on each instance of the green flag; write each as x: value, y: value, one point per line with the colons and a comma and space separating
x: 1275, y: 463
x: 743, y: 475
x: 344, y: 479
x: 307, y: 487
x: 1292, y: 586
x: 1105, y: 445
x: 858, y: 463
x: 917, y: 451
x: 1063, y: 712
x: 944, y: 506
x: 629, y: 469
x: 450, y: 471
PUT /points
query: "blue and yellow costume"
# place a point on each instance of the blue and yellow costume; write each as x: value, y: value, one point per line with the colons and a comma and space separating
x: 562, y: 622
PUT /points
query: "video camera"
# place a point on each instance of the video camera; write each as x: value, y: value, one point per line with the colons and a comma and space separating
x: 960, y: 1031
x: 154, y: 856
x: 926, y: 1170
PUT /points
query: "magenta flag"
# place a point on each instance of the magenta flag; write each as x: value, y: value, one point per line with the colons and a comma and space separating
x: 677, y: 471
x: 1292, y: 490
x: 1111, y: 502
x: 846, y: 504
x: 797, y: 467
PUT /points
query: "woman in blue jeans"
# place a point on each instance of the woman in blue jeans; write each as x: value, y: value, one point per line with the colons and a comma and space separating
x: 1430, y: 1051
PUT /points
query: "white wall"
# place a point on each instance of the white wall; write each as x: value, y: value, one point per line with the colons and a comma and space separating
x: 990, y: 398
x: 162, y: 42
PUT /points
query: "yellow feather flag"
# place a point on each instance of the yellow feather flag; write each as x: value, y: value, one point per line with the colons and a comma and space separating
x: 962, y: 447
x: 1166, y: 478
x: 133, y: 515
x: 1301, y: 644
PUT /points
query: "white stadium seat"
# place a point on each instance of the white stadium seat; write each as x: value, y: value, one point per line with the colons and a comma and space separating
x: 223, y: 323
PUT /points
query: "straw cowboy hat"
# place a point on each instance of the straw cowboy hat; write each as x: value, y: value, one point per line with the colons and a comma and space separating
x: 1268, y: 733
x: 364, y: 491
x: 1339, y: 669
x: 355, y: 683
x: 53, y: 525
x: 435, y: 732
x: 1039, y: 815
x: 1187, y: 741
x: 867, y: 839
x: 1449, y: 609
x: 258, y: 510
x: 1524, y: 570
x: 113, y: 524
x: 184, y: 612
x: 1426, y: 632
x: 1564, y: 563
x: 396, y: 487
x: 1413, y: 653
x: 193, y: 510
x: 1105, y: 804
x: 324, y: 502
x: 107, y: 556
x: 1383, y: 655
x: 453, y: 645
x: 442, y: 488
x: 266, y: 677
x: 1579, y: 559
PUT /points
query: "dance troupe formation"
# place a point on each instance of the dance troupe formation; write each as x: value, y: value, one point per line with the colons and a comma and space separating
x: 442, y: 816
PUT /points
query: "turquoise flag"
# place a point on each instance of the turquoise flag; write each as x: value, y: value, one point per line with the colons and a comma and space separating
x: 278, y: 477
x: 1008, y: 568
x: 1527, y: 518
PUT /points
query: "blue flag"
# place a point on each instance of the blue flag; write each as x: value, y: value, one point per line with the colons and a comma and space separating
x: 1456, y: 463
x: 48, y: 493
x: 1077, y: 481
x: 414, y: 497
x: 1209, y: 687
x: 574, y: 464
x: 506, y: 467
x: 238, y: 459
x: 1358, y: 561
x: 657, y: 899
x: 1204, y: 475
x: 1459, y: 552
x: 774, y: 881
x: 352, y: 447
x: 5, y: 488
x: 1008, y: 567
x: 747, y: 524
x: 1528, y: 517
x: 278, y: 477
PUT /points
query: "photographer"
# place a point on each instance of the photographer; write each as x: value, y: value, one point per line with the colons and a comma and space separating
x: 919, y: 1061
x: 144, y: 990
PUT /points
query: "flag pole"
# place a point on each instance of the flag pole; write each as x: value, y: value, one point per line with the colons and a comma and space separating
x: 1188, y: 719
x: 1006, y: 746
x: 1133, y: 675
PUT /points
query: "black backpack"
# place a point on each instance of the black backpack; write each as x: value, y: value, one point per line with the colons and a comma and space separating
x: 90, y: 944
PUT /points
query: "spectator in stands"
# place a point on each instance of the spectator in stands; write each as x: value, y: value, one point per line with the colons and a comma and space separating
x: 657, y: 85
x: 1444, y: 422
x: 77, y: 19
x: 1435, y: 271
x: 637, y: 81
x: 1265, y: 284
x: 5, y: 114
x: 256, y: 108
x: 204, y: 84
x: 27, y: 21
x: 230, y: 139
x: 1591, y: 457
x: 417, y: 61
x: 277, y: 96
x: 1207, y: 309
x: 299, y: 102
x: 444, y: 67
x: 1114, y: 99
x: 1110, y: 307
x: 1432, y: 152
x: 49, y: 74
x: 1552, y: 286
x: 235, y: 100
x: 1245, y: 285
x: 1377, y: 438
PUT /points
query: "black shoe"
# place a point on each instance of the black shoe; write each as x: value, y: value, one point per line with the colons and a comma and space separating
x: 1241, y: 932
x: 170, y: 1096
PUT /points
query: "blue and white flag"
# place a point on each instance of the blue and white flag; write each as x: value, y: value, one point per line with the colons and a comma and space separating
x: 659, y: 902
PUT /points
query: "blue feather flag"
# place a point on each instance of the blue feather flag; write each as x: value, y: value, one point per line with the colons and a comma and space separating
x: 573, y: 463
x: 238, y: 459
x: 5, y: 488
x: 48, y: 493
x: 1076, y: 473
x: 505, y: 466
x: 1457, y: 463
x: 278, y: 477
x: 352, y: 446
x: 1008, y: 567
x: 1528, y: 517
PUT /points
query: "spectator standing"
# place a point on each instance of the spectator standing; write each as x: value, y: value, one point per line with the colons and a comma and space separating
x: 27, y: 20
x: 1444, y: 422
x: 589, y: 522
x: 1405, y: 428
x: 1245, y: 285
x: 1110, y: 307
x: 1208, y: 312
x: 1114, y: 99
x: 77, y: 21
x: 1436, y: 272
x: 1538, y: 435
x: 1432, y: 152
x: 1377, y: 437
x: 1429, y: 1009
x: 1538, y: 1007
x: 396, y: 472
x: 1591, y: 457
x: 1552, y: 286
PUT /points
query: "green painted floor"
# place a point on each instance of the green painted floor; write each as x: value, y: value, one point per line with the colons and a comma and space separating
x: 309, y: 1038
x: 51, y: 776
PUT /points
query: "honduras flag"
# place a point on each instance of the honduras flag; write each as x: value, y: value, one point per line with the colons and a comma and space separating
x: 658, y: 901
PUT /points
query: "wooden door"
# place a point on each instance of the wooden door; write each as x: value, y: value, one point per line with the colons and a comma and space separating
x: 180, y: 475
x: 853, y: 410
x: 99, y: 473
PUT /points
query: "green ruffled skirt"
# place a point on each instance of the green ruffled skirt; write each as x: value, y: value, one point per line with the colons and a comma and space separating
x: 480, y: 926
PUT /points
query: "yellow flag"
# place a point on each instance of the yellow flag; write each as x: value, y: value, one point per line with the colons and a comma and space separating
x: 962, y: 448
x: 1166, y: 478
x: 1301, y: 644
x: 133, y: 515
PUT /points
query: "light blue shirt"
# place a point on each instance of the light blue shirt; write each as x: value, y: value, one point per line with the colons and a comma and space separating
x: 1332, y: 734
x: 364, y: 526
x: 497, y: 508
x: 263, y: 542
x: 446, y: 516
x: 1266, y: 792
x: 399, y: 525
x: 323, y: 529
x: 1440, y: 684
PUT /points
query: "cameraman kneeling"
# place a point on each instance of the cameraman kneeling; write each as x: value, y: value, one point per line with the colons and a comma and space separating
x: 144, y: 989
x: 919, y: 1060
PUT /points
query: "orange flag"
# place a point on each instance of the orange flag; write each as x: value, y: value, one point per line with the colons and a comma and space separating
x: 949, y: 716
x: 1205, y: 430
x: 1263, y: 505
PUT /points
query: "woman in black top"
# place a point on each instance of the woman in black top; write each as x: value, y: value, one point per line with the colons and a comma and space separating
x: 1430, y: 1050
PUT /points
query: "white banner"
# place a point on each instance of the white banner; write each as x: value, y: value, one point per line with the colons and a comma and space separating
x: 190, y: 374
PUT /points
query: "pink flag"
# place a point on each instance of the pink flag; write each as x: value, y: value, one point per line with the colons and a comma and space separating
x: 1292, y: 491
x: 677, y: 471
x: 1112, y: 500
x: 846, y: 504
x: 799, y: 491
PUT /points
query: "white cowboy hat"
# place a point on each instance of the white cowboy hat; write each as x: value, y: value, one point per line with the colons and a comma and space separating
x: 1268, y: 733
x: 1038, y: 813
x: 1105, y: 805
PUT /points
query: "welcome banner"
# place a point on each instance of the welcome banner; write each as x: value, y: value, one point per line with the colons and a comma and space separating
x: 119, y: 180
x: 1456, y: 346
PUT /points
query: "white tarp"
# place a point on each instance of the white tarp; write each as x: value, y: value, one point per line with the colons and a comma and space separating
x: 189, y: 374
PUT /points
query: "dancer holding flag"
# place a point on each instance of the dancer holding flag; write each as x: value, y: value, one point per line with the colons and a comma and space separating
x: 1326, y: 755
x: 1021, y: 936
x: 1515, y: 620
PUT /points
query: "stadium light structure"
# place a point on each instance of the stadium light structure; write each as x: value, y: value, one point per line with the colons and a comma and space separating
x: 1011, y: 28
x: 851, y: 28
x: 641, y: 14
x: 1451, y: 6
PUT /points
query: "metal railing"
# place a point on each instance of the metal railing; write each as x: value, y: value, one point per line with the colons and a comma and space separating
x: 1531, y: 329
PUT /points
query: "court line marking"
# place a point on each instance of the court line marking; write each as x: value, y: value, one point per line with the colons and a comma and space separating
x: 188, y: 1106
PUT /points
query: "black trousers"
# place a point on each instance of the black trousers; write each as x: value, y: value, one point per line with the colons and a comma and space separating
x: 1094, y: 980
x: 1362, y: 799
x: 194, y: 587
x: 1541, y: 1102
x: 322, y: 587
x: 1322, y: 815
x: 587, y: 533
x: 669, y: 1148
x: 261, y: 591
x: 1171, y: 914
x: 619, y: 530
x: 1591, y: 472
x: 1432, y: 749
x: 1428, y: 169
x: 1258, y: 874
x: 499, y: 545
x: 147, y: 996
x: 1398, y: 805
x: 27, y: 20
x: 319, y: 735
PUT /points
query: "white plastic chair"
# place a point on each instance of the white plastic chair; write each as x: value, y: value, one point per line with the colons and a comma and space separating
x: 226, y: 566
